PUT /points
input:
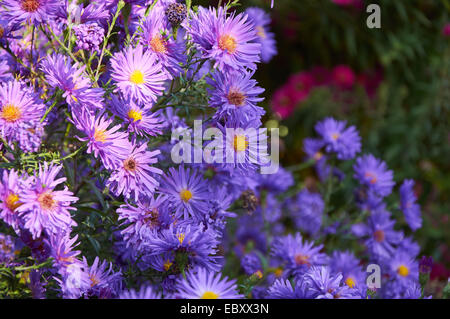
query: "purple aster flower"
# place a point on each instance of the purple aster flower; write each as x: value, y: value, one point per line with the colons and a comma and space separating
x: 89, y: 36
x: 176, y: 13
x: 138, y: 75
x: 374, y: 174
x: 324, y: 285
x: 136, y: 175
x: 270, y: 209
x: 299, y: 256
x: 10, y: 185
x: 282, y: 289
x: 409, y: 245
x: 243, y: 149
x: 346, y: 263
x: 262, y: 20
x: 192, y: 241
x: 72, y: 80
x: 205, y: 284
x: 227, y: 40
x: 139, y: 119
x: 20, y: 109
x: 380, y: 236
x: 30, y: 11
x: 150, y: 214
x: 425, y: 264
x: 61, y: 250
x: 43, y: 208
x: 307, y: 209
x: 145, y: 292
x: 409, y: 206
x: 251, y: 263
x: 104, y: 282
x: 111, y: 145
x: 155, y: 37
x: 345, y: 142
x: 235, y: 96
x: 403, y: 267
x: 9, y: 247
x: 276, y: 183
x: 186, y: 191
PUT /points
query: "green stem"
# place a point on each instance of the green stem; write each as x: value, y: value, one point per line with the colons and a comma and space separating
x: 120, y: 5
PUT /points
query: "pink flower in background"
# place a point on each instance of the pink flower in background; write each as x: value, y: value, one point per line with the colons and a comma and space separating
x: 343, y: 76
x: 446, y: 30
x: 300, y: 85
x: 283, y: 102
x: 321, y: 75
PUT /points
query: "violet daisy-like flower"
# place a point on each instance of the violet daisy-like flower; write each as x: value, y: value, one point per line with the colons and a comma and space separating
x: 266, y: 38
x: 298, y: 255
x: 228, y: 40
x: 307, y: 209
x: 155, y: 37
x: 72, y: 80
x: 145, y: 292
x: 408, y: 205
x: 186, y: 191
x: 235, y: 96
x: 374, y: 175
x: 140, y: 119
x: 192, y: 241
x: 104, y: 281
x: 138, y: 74
x: 282, y: 289
x: 403, y: 267
x: 205, y: 284
x: 111, y: 145
x: 61, y: 250
x: 136, y: 175
x: 10, y: 185
x: 243, y: 150
x: 378, y: 234
x: 149, y: 215
x: 345, y: 142
x: 30, y: 11
x: 251, y: 263
x: 324, y: 285
x: 89, y: 36
x: 346, y: 263
x: 43, y: 208
x: 20, y: 109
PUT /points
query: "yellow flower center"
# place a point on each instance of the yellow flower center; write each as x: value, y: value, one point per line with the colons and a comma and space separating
x: 130, y: 164
x: 240, y: 143
x: 379, y: 235
x: 30, y: 5
x: 94, y: 280
x: 137, y: 77
x: 11, y: 113
x: 46, y: 200
x: 335, y: 136
x: 2, y: 31
x: 278, y: 272
x: 372, y: 176
x: 181, y: 237
x: 12, y: 201
x: 301, y: 259
x: 318, y: 156
x: 236, y: 98
x: 158, y: 44
x: 185, y: 195
x: 135, y: 115
x: 227, y: 43
x: 260, y: 32
x: 209, y: 295
x: 403, y: 271
x: 350, y: 282
x: 100, y: 135
x: 167, y: 265
x: 258, y: 274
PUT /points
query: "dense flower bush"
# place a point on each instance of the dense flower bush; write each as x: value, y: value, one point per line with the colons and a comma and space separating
x: 93, y: 101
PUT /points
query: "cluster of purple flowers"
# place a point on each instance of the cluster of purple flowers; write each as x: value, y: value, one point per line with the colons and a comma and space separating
x: 167, y: 220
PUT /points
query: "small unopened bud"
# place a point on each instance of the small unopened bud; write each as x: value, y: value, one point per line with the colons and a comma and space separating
x: 176, y: 13
x: 250, y: 201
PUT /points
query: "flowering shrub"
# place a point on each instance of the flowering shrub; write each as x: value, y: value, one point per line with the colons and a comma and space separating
x: 93, y: 102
